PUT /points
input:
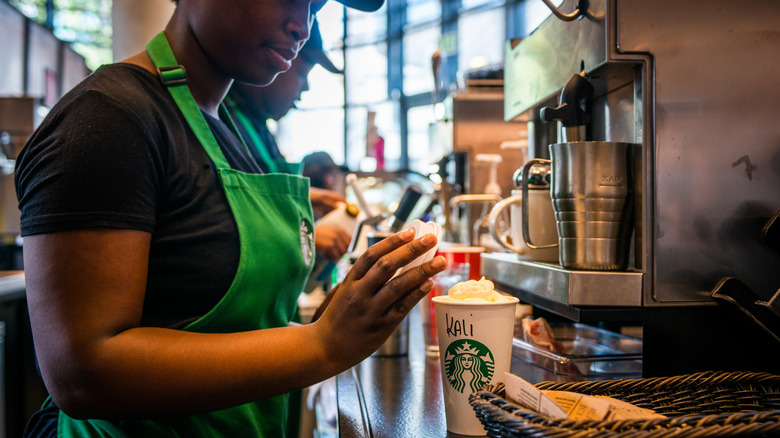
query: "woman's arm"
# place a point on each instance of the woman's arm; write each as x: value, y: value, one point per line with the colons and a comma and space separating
x: 85, y: 292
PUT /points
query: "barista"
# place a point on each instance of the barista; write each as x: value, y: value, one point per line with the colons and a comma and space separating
x: 162, y: 266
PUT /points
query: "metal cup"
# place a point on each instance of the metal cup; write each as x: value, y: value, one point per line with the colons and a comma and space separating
x: 398, y: 343
x: 592, y: 196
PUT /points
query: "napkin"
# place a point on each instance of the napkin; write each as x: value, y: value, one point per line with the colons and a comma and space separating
x: 420, y: 229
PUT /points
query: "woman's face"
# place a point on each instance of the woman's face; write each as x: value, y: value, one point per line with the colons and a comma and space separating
x: 251, y: 40
x: 466, y: 361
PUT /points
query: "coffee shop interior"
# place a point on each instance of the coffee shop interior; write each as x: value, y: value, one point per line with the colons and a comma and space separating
x: 614, y: 164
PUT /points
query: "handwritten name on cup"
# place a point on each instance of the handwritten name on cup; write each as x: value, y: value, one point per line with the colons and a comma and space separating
x: 458, y: 327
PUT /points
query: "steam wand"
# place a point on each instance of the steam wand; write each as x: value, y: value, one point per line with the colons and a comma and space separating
x: 574, y: 108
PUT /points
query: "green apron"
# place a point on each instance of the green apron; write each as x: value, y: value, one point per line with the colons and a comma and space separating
x: 274, y: 219
x: 273, y: 164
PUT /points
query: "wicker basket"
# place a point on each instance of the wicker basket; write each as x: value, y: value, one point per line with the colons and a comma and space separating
x: 707, y: 404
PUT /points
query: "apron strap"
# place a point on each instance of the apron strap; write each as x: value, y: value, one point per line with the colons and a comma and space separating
x: 174, y: 77
x: 254, y: 136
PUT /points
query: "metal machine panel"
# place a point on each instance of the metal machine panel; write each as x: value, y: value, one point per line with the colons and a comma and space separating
x: 717, y: 141
x: 575, y: 288
x: 541, y: 65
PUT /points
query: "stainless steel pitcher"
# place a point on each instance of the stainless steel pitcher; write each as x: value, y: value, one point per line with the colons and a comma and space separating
x: 593, y: 201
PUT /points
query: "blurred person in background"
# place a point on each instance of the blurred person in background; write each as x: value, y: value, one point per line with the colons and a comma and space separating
x: 323, y: 172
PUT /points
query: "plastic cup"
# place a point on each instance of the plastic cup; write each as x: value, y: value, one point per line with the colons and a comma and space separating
x: 457, y: 254
x: 475, y: 348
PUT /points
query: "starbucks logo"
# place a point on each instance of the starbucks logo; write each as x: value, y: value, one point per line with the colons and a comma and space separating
x: 468, y: 365
x: 307, y: 241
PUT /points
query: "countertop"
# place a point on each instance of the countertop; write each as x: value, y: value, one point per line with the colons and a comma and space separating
x: 394, y: 396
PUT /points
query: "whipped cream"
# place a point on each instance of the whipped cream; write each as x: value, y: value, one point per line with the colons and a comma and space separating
x: 475, y: 291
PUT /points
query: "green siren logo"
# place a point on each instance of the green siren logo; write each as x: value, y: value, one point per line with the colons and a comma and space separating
x: 469, y: 365
x: 307, y: 241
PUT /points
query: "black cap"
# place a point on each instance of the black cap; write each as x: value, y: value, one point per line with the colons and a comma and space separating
x: 321, y: 162
x: 363, y: 5
x: 314, y: 50
x: 319, y: 168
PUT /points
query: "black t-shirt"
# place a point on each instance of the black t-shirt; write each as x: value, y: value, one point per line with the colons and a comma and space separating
x: 115, y: 152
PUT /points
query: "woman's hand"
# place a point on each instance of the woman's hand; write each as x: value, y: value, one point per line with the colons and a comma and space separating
x: 364, y: 309
x: 331, y: 241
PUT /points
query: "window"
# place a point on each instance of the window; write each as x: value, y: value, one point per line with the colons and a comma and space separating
x: 419, y: 46
x: 305, y: 131
x: 481, y: 39
x: 422, y: 11
x: 366, y: 27
x: 367, y: 77
x: 529, y: 15
x: 360, y: 154
x: 85, y: 23
x: 422, y: 151
x: 368, y: 45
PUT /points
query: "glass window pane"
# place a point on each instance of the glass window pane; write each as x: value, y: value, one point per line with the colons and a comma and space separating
x: 389, y: 128
x: 422, y: 11
x: 86, y: 24
x: 300, y: 133
x: 367, y: 77
x: 481, y: 37
x: 421, y: 152
x: 326, y: 89
x: 366, y: 27
x: 529, y: 15
x: 468, y: 4
x: 356, y: 136
x: 331, y: 19
x: 360, y: 154
x: 419, y: 47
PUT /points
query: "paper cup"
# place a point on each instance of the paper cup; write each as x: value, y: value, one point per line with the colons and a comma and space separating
x: 475, y: 348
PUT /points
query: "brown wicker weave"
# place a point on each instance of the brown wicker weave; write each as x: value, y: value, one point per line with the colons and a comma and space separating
x: 707, y: 404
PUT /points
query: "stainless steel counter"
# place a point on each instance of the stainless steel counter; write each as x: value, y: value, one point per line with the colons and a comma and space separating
x: 393, y: 396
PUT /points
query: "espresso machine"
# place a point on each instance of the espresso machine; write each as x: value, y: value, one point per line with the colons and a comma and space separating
x: 693, y: 85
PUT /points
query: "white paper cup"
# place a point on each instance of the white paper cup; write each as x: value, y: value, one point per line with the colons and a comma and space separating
x: 475, y: 348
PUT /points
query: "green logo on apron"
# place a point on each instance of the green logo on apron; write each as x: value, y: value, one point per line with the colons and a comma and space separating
x: 307, y: 241
x: 469, y: 365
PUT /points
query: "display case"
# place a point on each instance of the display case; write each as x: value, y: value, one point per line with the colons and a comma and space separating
x: 588, y: 353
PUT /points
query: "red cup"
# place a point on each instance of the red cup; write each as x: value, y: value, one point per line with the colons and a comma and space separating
x: 458, y: 254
